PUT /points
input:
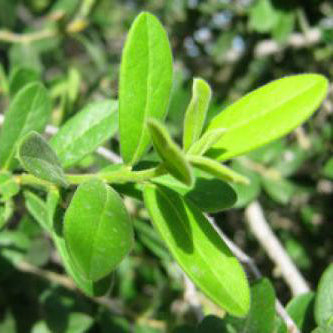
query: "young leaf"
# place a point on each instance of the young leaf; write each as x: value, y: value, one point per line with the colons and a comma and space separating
x: 8, y: 186
x: 29, y: 111
x: 206, y: 141
x: 39, y: 159
x: 98, y: 230
x: 261, y: 316
x: 145, y: 84
x: 84, y: 132
x: 174, y: 159
x: 267, y: 113
x: 20, y: 77
x: 196, y: 112
x: 217, y: 169
x: 300, y: 309
x: 198, y: 249
x: 324, y: 298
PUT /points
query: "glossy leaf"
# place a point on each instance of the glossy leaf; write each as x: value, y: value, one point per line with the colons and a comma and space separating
x: 98, y: 230
x: 201, y: 146
x: 84, y: 132
x: 29, y: 111
x: 324, y: 297
x: 37, y: 157
x: 20, y: 77
x: 267, y: 113
x: 196, y: 112
x: 198, y: 249
x: 174, y: 159
x: 217, y: 169
x: 145, y: 84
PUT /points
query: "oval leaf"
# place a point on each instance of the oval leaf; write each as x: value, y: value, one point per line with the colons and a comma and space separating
x: 98, y: 230
x: 267, y: 113
x: 198, y: 249
x: 39, y: 159
x: 217, y: 169
x: 29, y: 111
x: 145, y: 84
x: 174, y: 159
x: 20, y: 77
x: 324, y: 297
x: 195, y: 115
x: 87, y: 130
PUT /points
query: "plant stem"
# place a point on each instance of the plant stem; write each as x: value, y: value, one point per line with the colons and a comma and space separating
x: 114, y: 177
x: 119, y: 176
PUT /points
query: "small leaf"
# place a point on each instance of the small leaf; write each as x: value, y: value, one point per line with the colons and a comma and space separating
x: 172, y: 156
x: 20, y: 77
x: 196, y: 112
x: 8, y: 186
x: 300, y: 309
x: 267, y: 114
x: 145, y: 84
x: 98, y: 230
x: 206, y: 142
x: 84, y: 132
x: 29, y: 111
x: 217, y: 169
x: 324, y: 298
x: 198, y: 249
x: 39, y: 159
x: 261, y: 317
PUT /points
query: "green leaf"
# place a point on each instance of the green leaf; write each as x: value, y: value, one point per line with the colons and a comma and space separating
x: 173, y: 157
x: 198, y: 249
x: 300, y: 309
x: 217, y: 169
x: 201, y: 146
x: 6, y: 212
x: 196, y: 112
x: 280, y: 190
x: 267, y: 113
x: 324, y: 298
x: 323, y: 329
x: 20, y: 77
x: 208, y: 193
x: 263, y: 16
x: 246, y: 193
x: 37, y: 157
x: 29, y: 111
x: 84, y: 132
x: 145, y: 84
x: 98, y: 230
x: 8, y: 186
x: 261, y: 317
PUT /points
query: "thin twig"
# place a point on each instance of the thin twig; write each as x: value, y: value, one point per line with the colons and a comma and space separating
x: 260, y: 228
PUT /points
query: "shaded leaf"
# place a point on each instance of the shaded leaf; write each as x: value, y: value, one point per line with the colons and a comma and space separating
x: 20, y: 77
x: 37, y: 157
x: 29, y: 111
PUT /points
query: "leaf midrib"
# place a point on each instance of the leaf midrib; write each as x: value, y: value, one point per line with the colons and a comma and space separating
x: 264, y: 112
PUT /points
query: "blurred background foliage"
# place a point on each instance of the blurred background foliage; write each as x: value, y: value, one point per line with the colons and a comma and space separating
x: 236, y: 45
